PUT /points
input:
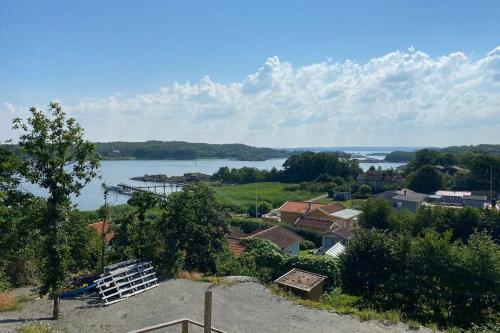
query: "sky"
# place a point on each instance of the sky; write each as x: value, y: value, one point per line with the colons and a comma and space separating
x: 264, y: 73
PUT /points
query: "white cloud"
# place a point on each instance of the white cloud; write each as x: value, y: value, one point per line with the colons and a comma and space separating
x: 401, y: 98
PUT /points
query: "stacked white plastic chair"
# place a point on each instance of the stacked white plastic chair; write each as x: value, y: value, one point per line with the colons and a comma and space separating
x: 125, y: 279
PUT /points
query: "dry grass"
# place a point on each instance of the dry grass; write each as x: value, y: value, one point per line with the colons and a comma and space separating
x: 200, y: 277
x: 340, y: 303
x: 9, y: 302
x: 36, y: 328
x: 192, y: 276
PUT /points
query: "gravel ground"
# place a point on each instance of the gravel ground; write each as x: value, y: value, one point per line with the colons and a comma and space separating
x: 242, y: 307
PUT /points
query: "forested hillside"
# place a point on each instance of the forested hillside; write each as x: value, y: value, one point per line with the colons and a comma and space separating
x: 184, y: 150
x: 406, y: 156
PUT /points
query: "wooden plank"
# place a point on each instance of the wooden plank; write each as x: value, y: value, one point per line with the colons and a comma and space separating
x: 185, y: 327
x: 203, y: 326
x: 162, y: 325
x: 208, y: 312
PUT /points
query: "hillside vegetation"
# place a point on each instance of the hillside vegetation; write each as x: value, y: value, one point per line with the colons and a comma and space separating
x: 240, y: 198
x: 185, y: 150
x: 398, y: 156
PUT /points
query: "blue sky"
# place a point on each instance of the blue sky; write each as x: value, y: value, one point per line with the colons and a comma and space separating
x: 258, y: 71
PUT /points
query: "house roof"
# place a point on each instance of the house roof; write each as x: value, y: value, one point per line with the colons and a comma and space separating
x: 323, y: 225
x: 459, y: 194
x: 103, y: 228
x: 332, y: 208
x: 335, y: 250
x: 347, y: 214
x: 475, y: 197
x: 379, y: 176
x: 455, y: 168
x: 300, y: 279
x: 411, y: 196
x: 301, y: 207
x: 278, y: 235
x: 236, y: 246
x: 236, y: 232
x: 342, y: 232
x: 387, y: 194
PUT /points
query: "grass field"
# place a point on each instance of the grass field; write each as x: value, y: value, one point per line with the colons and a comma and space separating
x: 241, y: 197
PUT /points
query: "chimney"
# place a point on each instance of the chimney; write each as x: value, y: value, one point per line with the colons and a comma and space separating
x: 309, y: 206
x: 405, y: 192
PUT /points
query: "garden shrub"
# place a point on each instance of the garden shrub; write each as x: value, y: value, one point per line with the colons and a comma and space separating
x: 307, y: 245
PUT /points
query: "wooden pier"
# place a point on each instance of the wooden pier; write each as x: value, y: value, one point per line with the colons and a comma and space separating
x: 159, y: 190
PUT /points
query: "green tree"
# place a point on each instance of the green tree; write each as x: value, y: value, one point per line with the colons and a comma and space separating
x: 143, y: 229
x: 425, y: 180
x: 369, y: 265
x: 481, y: 167
x: 9, y: 168
x: 365, y: 189
x: 424, y: 157
x: 478, y: 280
x: 377, y: 213
x: 194, y: 226
x: 60, y: 160
x: 264, y: 208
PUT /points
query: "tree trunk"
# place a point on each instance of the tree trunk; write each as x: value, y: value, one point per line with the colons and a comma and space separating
x: 55, y: 310
x: 54, y: 258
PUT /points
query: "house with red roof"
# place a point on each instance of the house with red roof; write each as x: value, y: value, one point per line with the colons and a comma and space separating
x: 292, y: 210
x: 379, y: 179
x: 104, y: 229
x: 236, y: 246
x: 286, y: 240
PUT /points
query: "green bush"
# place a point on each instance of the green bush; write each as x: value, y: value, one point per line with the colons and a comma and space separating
x: 309, y: 235
x: 249, y: 225
x: 307, y: 245
x: 323, y: 265
x: 291, y: 188
x: 423, y: 276
x: 324, y: 178
x: 4, y: 282
x: 365, y: 189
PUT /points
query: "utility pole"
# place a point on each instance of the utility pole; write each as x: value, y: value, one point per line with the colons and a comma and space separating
x: 350, y: 191
x: 103, y: 231
x: 256, y: 212
x: 491, y: 185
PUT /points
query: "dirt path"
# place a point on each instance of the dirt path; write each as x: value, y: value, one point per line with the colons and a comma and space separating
x: 324, y: 196
x: 244, y: 307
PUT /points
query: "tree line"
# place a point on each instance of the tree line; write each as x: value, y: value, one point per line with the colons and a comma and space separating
x: 303, y: 167
x: 440, y: 265
x: 422, y: 176
x: 185, y: 151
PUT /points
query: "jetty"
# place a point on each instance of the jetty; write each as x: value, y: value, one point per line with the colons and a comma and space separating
x: 159, y: 190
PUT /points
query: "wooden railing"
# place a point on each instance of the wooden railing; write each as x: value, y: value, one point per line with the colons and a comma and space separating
x: 184, y: 322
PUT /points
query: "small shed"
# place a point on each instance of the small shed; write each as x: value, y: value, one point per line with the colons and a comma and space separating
x: 305, y: 284
x: 335, y: 250
x: 341, y: 196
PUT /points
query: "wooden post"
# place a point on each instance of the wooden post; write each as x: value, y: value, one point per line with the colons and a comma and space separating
x: 208, y: 312
x: 185, y: 327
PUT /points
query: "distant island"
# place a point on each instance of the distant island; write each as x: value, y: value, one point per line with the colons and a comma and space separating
x: 398, y: 156
x: 190, y: 177
x: 180, y: 150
